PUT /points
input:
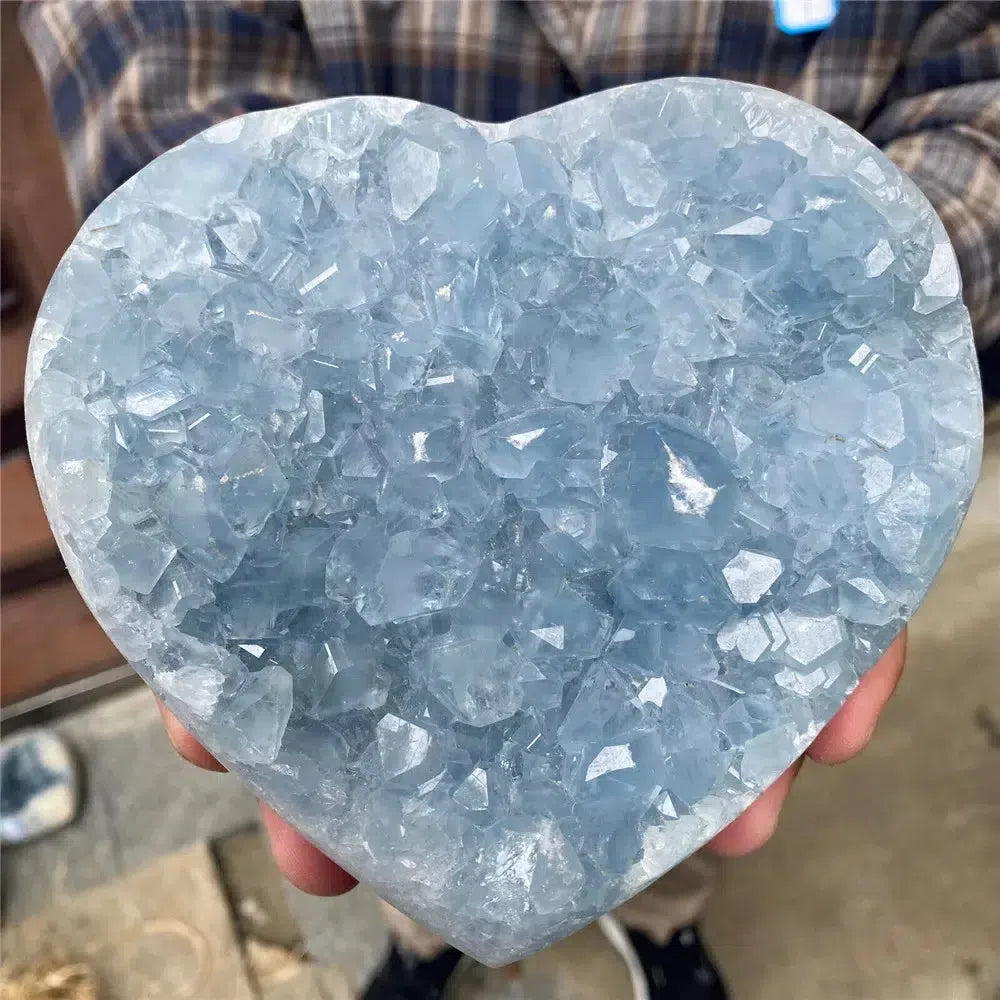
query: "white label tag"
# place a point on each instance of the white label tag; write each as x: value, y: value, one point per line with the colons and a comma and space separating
x: 794, y: 17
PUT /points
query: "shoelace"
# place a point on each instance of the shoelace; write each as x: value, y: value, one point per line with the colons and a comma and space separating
x: 618, y: 938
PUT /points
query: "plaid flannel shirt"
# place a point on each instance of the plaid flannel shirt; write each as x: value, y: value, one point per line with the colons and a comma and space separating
x: 921, y: 79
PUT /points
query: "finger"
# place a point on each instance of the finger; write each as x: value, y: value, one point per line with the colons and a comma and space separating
x: 184, y: 743
x: 302, y: 863
x: 755, y: 827
x: 851, y: 729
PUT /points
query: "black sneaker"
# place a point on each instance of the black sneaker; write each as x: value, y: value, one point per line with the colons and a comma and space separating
x: 403, y: 976
x: 989, y: 371
x: 679, y: 970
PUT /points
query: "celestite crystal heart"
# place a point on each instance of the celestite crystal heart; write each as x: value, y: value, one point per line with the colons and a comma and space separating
x: 508, y: 504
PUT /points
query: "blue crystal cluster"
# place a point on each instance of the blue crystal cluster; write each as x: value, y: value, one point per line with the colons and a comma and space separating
x: 509, y: 505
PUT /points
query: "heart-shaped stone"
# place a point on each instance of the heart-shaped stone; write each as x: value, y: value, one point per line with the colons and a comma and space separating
x: 508, y: 505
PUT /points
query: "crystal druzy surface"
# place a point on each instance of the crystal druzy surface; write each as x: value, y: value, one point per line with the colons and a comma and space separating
x: 508, y: 505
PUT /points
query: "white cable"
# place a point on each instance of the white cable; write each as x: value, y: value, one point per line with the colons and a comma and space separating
x: 619, y: 940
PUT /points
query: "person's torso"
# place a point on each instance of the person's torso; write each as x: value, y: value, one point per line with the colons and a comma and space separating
x: 497, y: 59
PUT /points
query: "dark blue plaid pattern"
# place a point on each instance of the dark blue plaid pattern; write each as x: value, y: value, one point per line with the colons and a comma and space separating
x: 921, y: 79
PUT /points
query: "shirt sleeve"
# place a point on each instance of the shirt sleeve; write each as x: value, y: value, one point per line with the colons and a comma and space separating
x: 127, y: 81
x: 943, y: 129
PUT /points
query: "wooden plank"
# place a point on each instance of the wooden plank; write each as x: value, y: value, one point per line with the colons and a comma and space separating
x: 39, y: 219
x: 39, y: 224
x: 14, y: 356
x: 25, y: 537
x: 49, y: 637
x: 38, y: 216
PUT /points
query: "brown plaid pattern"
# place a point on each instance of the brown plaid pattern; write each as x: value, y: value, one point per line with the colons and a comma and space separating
x: 921, y: 79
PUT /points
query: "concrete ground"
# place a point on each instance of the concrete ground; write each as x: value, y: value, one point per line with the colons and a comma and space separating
x: 882, y: 883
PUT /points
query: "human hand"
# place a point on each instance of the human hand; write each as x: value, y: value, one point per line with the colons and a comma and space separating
x: 843, y: 737
x: 302, y: 863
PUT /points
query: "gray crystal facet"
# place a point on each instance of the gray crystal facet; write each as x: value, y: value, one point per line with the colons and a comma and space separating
x: 508, y: 505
